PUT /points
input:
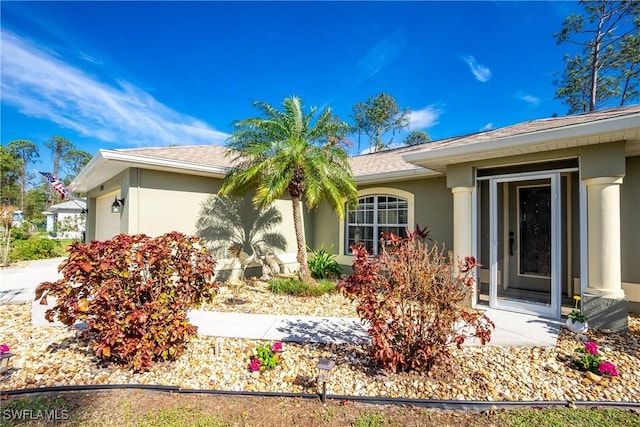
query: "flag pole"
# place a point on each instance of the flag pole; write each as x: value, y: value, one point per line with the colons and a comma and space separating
x: 64, y: 193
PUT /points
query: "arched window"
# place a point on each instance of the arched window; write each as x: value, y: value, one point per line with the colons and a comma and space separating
x: 375, y: 214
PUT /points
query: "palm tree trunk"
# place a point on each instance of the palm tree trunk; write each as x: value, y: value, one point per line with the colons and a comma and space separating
x: 304, y: 274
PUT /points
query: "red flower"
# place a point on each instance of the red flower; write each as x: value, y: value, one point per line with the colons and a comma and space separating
x: 591, y: 347
x: 608, y: 368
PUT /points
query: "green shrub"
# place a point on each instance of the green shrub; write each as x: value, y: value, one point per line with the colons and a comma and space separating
x: 134, y: 293
x: 298, y: 288
x: 34, y: 248
x: 323, y: 264
x: 414, y: 299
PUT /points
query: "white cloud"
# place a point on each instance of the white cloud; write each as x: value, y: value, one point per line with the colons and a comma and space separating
x: 41, y: 85
x: 424, y: 118
x: 533, y: 100
x: 480, y: 72
x: 486, y: 127
x: 381, y: 55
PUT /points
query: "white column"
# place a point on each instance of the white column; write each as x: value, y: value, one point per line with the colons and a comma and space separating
x: 603, y: 226
x: 462, y: 221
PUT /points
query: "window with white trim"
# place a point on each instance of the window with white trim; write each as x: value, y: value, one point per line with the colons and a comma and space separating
x: 375, y: 214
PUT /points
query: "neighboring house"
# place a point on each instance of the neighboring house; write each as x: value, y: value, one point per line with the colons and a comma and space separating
x: 66, y: 220
x: 549, y: 207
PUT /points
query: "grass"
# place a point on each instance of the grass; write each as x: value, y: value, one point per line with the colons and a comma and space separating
x: 64, y: 244
x: 128, y: 407
x: 569, y: 417
x: 179, y: 417
x: 41, y: 408
x: 298, y: 288
x: 370, y: 419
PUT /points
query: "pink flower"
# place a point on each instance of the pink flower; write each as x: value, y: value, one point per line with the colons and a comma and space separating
x: 608, y: 368
x: 591, y: 347
x: 4, y: 348
x: 276, y: 347
x: 254, y: 365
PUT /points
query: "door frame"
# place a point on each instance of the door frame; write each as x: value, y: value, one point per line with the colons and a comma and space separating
x: 553, y: 310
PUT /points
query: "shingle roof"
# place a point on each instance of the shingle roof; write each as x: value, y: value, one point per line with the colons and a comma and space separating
x: 389, y: 161
x: 534, y: 126
x: 207, y: 155
x: 214, y: 155
x: 382, y: 162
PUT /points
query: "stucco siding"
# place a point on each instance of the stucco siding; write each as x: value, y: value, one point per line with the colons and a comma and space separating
x: 166, y: 201
x: 432, y: 207
x: 99, y: 202
x: 630, y: 228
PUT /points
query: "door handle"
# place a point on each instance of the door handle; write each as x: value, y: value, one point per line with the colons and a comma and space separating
x: 511, y: 242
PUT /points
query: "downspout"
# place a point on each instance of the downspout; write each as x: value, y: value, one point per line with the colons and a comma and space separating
x: 139, y: 175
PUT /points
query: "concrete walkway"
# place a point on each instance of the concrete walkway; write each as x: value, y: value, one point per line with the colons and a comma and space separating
x: 17, y: 286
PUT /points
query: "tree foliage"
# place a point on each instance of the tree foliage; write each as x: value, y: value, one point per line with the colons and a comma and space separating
x: 26, y: 152
x: 287, y: 151
x: 417, y: 137
x: 59, y: 147
x: 607, y: 70
x: 73, y: 161
x: 10, y: 173
x: 18, y: 186
x: 378, y: 116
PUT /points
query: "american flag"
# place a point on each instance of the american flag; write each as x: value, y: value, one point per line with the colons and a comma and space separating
x: 55, y: 183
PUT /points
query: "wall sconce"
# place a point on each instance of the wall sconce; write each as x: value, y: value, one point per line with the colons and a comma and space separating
x: 117, y: 205
x: 324, y: 368
x: 4, y: 361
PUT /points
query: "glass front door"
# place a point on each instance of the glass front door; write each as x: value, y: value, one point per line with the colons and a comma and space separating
x: 524, y: 236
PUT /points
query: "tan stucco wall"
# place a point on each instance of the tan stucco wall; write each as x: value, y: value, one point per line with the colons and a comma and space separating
x: 630, y: 224
x: 595, y: 160
x: 159, y: 202
x: 117, y: 185
x: 602, y: 160
x: 433, y: 207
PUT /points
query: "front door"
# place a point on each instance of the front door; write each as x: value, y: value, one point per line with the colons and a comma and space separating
x: 524, y: 234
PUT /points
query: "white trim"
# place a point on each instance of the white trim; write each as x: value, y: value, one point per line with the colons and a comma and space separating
x: 109, y: 163
x: 386, y: 177
x: 505, y: 235
x: 584, y: 236
x: 474, y: 239
x: 569, y: 235
x: 485, y: 149
x: 552, y: 310
x: 527, y: 174
x: 345, y: 258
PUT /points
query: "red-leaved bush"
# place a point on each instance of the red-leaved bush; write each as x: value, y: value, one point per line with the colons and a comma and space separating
x: 415, y: 302
x: 133, y: 292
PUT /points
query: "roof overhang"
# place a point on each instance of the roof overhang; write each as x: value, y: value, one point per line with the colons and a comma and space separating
x: 109, y: 163
x: 623, y: 128
x: 403, y: 175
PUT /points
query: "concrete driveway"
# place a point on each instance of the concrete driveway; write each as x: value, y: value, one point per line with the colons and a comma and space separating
x: 18, y: 284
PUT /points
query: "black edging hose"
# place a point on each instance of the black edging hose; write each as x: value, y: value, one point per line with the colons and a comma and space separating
x: 457, y: 405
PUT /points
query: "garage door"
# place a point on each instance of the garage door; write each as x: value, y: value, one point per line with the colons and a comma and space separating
x: 107, y: 223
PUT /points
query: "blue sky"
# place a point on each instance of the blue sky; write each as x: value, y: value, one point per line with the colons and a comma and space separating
x: 132, y: 74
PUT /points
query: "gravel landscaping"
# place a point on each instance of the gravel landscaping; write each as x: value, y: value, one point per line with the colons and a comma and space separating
x: 55, y: 356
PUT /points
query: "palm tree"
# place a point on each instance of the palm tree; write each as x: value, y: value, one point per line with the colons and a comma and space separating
x: 283, y: 151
